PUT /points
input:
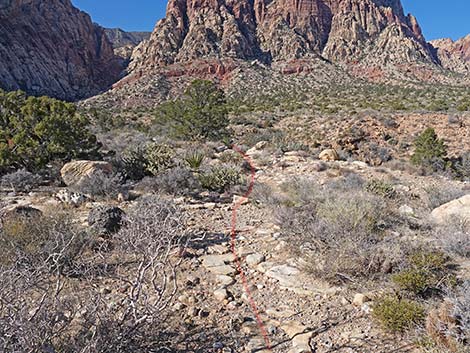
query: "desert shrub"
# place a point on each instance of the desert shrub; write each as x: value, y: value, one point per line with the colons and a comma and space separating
x: 194, y: 160
x: 380, y: 188
x: 146, y: 160
x: 454, y: 238
x: 266, y: 195
x: 159, y: 157
x: 220, y: 178
x: 398, y: 315
x: 462, y: 167
x: 427, y: 270
x: 99, y: 186
x: 430, y: 151
x: 35, y: 131
x: 284, y: 143
x: 51, y: 243
x: 55, y: 312
x: 339, y: 232
x: 348, y: 182
x: 438, y: 195
x: 21, y: 180
x: 177, y: 181
x: 464, y: 106
x: 199, y: 115
x: 230, y: 157
x: 460, y: 299
x: 133, y: 163
x: 447, y: 325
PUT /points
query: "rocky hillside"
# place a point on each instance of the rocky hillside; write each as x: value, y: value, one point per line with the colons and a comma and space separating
x: 454, y: 55
x: 124, y: 42
x: 52, y: 48
x: 342, y: 31
x: 120, y: 38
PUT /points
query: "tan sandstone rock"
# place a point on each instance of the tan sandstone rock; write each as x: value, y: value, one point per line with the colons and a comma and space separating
x: 458, y: 209
x: 75, y: 171
x: 329, y: 155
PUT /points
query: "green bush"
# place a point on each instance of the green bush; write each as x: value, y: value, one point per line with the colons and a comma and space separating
x: 430, y: 151
x: 427, y: 270
x: 35, y: 131
x: 412, y: 280
x: 199, y: 115
x: 159, y: 158
x: 380, y: 188
x: 220, y: 178
x: 398, y: 315
x: 133, y: 162
x: 148, y: 160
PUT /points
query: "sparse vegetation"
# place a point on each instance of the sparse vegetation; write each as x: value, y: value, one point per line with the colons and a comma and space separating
x: 341, y: 230
x: 175, y: 181
x: 381, y: 188
x: 99, y: 186
x: 454, y: 238
x: 460, y: 299
x: 52, y: 285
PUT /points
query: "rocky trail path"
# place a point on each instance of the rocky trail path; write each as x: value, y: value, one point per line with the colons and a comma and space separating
x: 300, y: 313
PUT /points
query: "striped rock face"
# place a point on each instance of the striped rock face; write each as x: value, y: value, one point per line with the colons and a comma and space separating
x: 72, y: 173
x: 52, y: 48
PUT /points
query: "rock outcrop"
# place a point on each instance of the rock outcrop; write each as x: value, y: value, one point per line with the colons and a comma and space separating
x: 453, y: 55
x: 74, y: 172
x: 120, y: 38
x: 281, y: 30
x: 454, y: 211
x: 124, y: 42
x: 52, y: 48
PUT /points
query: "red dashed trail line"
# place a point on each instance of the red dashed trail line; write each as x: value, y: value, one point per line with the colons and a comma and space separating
x: 243, y: 276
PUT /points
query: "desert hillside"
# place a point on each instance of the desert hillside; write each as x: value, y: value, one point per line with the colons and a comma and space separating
x: 253, y: 176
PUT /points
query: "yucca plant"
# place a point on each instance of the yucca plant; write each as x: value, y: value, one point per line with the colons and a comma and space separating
x: 194, y: 160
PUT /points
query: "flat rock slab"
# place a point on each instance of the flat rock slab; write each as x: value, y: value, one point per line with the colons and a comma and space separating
x: 217, y: 260
x: 291, y: 278
x: 225, y: 280
x: 226, y: 270
x: 256, y: 345
x: 458, y: 209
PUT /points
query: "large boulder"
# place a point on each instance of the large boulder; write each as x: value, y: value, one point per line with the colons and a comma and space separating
x: 74, y: 172
x: 458, y: 209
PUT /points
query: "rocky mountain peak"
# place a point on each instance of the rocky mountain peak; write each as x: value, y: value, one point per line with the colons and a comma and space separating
x: 280, y: 30
x: 453, y: 55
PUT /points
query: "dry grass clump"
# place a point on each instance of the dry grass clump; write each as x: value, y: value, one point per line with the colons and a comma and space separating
x: 20, y: 181
x: 339, y: 228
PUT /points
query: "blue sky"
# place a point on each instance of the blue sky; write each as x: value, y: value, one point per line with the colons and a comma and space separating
x: 437, y: 18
